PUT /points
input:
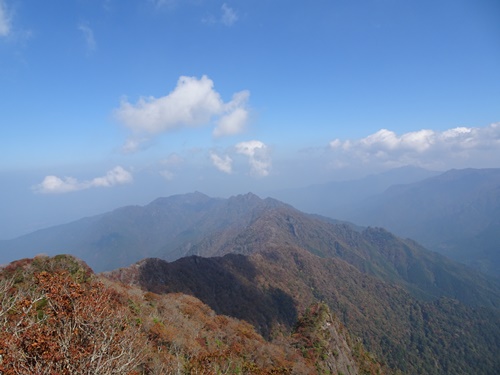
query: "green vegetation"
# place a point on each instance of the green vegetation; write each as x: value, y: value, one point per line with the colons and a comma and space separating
x: 409, y: 335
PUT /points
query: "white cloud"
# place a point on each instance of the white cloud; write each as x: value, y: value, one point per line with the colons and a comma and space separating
x: 232, y: 123
x: 116, y: 176
x: 167, y: 175
x: 258, y: 156
x: 193, y: 102
x: 456, y: 132
x: 135, y: 144
x: 54, y: 184
x: 336, y: 143
x: 428, y: 148
x: 5, y: 26
x: 387, y: 140
x: 224, y: 164
x: 88, y: 35
x: 229, y: 16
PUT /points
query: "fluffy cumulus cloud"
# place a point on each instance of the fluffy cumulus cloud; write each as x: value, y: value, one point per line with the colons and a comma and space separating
x: 232, y: 123
x: 4, y: 20
x: 193, y: 102
x: 258, y: 156
x: 387, y: 140
x: 223, y: 164
x: 425, y: 147
x: 54, y: 184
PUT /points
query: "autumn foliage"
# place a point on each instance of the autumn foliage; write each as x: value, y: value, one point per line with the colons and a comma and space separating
x: 54, y: 324
x: 57, y: 317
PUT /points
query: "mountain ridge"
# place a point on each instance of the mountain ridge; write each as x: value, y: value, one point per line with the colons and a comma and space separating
x: 373, y: 250
x: 267, y: 263
x: 271, y: 287
x: 456, y: 213
x: 128, y: 234
x: 173, y: 227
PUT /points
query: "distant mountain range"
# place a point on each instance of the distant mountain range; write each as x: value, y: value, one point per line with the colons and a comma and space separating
x: 335, y: 198
x: 456, y: 213
x: 195, y: 224
x: 167, y: 227
x: 265, y: 262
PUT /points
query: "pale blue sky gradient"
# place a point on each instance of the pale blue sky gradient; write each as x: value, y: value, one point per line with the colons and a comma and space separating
x: 319, y: 81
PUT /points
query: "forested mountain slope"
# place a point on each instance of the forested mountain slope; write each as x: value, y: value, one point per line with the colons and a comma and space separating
x: 274, y: 286
x: 167, y: 226
x: 373, y: 250
x: 264, y: 262
x: 456, y: 213
x: 172, y: 227
x: 57, y: 317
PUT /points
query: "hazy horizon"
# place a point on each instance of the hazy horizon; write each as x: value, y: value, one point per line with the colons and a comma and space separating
x: 106, y: 103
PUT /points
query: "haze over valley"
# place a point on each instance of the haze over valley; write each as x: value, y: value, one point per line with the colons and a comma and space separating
x: 266, y: 263
x: 259, y: 187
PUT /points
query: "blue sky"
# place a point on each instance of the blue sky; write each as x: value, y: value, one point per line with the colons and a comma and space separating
x: 107, y: 102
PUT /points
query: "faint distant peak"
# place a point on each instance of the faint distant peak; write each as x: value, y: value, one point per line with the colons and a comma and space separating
x: 195, y: 197
x: 248, y: 197
x: 408, y: 168
x: 408, y: 173
x: 472, y: 172
x: 469, y: 175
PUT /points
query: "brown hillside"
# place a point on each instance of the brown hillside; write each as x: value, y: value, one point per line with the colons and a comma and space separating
x: 57, y: 317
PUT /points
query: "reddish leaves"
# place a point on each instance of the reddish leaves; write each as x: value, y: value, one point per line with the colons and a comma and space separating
x: 59, y: 326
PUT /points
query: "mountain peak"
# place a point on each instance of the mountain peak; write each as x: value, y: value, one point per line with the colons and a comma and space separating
x: 194, y: 197
x: 248, y: 197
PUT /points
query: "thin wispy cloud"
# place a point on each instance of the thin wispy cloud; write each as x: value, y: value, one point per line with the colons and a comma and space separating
x: 169, y: 164
x: 222, y: 163
x: 135, y: 144
x: 57, y: 185
x: 167, y: 174
x: 88, y: 35
x: 256, y: 153
x: 164, y: 3
x: 194, y: 102
x: 229, y: 16
x: 424, y: 147
x: 5, y: 20
x: 258, y: 157
x: 173, y: 160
